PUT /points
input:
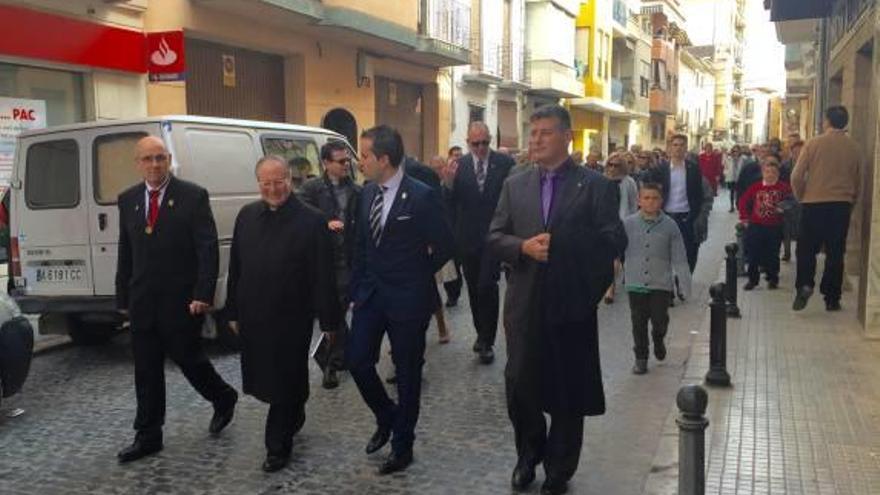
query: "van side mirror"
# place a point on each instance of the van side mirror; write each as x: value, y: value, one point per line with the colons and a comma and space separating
x: 15, y: 183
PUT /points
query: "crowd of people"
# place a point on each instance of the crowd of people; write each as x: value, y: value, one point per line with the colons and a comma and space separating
x: 561, y: 232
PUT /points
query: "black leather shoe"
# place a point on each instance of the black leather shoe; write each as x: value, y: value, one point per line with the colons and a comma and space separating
x: 137, y: 450
x: 554, y: 487
x: 773, y: 284
x: 275, y: 463
x: 478, y: 346
x: 641, y: 367
x: 379, y: 439
x: 750, y: 285
x: 800, y: 300
x: 659, y: 350
x: 223, y: 414
x: 487, y: 355
x: 330, y: 381
x: 523, y: 475
x: 396, y: 462
x: 832, y: 306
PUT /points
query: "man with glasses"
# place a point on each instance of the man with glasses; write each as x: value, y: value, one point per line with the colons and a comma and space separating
x: 165, y: 280
x: 336, y: 195
x: 473, y: 188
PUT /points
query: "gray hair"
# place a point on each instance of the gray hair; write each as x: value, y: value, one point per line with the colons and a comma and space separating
x: 479, y: 125
x: 557, y: 112
x: 272, y: 158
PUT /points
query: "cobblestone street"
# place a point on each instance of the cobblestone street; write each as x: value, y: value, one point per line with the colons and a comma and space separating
x: 79, y: 405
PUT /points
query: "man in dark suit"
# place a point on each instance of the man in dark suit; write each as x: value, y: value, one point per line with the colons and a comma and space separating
x: 683, y: 197
x: 402, y: 240
x: 557, y: 226
x: 473, y: 188
x: 336, y: 195
x: 165, y: 279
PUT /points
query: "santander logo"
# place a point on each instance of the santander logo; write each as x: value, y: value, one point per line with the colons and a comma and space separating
x: 164, y: 55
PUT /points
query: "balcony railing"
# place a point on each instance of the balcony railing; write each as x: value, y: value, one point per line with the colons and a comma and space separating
x: 448, y: 21
x: 621, y: 12
x: 844, y: 15
x: 486, y: 57
x: 617, y: 91
x: 513, y: 63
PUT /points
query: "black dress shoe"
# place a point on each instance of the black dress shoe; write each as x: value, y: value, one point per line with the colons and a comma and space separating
x: 750, y: 285
x: 379, y: 439
x: 396, y: 462
x: 832, y: 306
x: 523, y: 475
x: 659, y: 349
x: 554, y: 487
x: 275, y: 463
x: 137, y: 450
x: 800, y: 300
x: 223, y: 414
x: 478, y: 346
x: 641, y: 367
x: 487, y: 355
x: 773, y: 284
x: 330, y: 381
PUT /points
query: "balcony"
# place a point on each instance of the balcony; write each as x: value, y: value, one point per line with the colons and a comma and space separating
x: 617, y: 91
x: 485, y: 62
x: 445, y: 26
x: 553, y: 79
x: 620, y: 13
x: 513, y: 66
x: 844, y: 16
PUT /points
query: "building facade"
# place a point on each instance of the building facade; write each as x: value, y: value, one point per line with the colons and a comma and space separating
x: 696, y: 98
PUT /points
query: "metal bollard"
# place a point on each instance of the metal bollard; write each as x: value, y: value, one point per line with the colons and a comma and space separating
x: 717, y: 374
x: 741, y: 251
x: 730, y: 282
x: 692, y: 423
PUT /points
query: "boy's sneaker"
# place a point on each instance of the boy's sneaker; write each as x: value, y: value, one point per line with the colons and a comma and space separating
x: 750, y: 285
x: 659, y: 350
x: 641, y: 367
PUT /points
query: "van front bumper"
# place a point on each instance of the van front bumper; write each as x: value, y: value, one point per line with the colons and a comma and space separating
x: 65, y: 304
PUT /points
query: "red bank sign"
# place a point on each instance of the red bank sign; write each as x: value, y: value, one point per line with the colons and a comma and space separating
x: 29, y: 33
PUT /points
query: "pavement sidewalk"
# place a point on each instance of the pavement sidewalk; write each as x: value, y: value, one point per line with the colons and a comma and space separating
x: 803, y: 414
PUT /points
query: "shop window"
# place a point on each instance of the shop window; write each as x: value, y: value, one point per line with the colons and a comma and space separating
x: 62, y: 91
x: 301, y: 154
x: 113, y: 164
x: 52, y: 175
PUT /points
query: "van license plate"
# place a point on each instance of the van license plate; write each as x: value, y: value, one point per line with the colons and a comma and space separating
x: 68, y: 272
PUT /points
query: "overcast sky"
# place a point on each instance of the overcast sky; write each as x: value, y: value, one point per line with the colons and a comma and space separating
x: 764, y: 56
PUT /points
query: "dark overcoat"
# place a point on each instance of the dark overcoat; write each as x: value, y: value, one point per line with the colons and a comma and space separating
x: 281, y: 277
x: 550, y: 308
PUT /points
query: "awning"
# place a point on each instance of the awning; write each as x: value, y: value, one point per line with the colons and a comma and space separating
x: 789, y: 10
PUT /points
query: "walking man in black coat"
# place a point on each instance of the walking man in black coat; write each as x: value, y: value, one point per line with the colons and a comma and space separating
x: 402, y: 240
x: 557, y: 225
x: 165, y: 280
x: 473, y: 188
x: 281, y: 276
x: 336, y: 195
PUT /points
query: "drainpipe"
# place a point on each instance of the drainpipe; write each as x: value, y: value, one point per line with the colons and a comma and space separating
x: 821, y: 77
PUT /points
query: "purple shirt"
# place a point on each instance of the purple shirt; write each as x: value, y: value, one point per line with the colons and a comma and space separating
x: 548, y: 190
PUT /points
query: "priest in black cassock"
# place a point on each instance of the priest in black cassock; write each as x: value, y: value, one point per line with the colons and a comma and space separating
x: 280, y: 278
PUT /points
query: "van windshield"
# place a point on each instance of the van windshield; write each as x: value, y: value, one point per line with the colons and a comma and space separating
x: 301, y: 155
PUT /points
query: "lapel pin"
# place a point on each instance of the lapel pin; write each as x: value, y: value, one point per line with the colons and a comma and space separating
x: 170, y: 203
x: 137, y: 207
x: 403, y: 196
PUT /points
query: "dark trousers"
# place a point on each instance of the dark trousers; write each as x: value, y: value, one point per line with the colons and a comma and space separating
x: 762, y: 251
x: 650, y: 307
x: 336, y: 360
x: 732, y: 187
x: 823, y: 225
x: 453, y: 287
x: 284, y: 420
x: 183, y: 345
x: 483, y: 296
x: 685, y: 224
x: 407, y: 339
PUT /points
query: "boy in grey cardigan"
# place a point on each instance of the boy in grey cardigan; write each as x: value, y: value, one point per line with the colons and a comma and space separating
x: 655, y: 254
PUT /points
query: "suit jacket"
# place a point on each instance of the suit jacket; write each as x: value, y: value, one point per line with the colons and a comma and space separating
x: 422, y: 173
x: 397, y: 276
x: 160, y: 273
x: 318, y: 192
x: 550, y: 308
x: 694, y: 180
x: 473, y: 209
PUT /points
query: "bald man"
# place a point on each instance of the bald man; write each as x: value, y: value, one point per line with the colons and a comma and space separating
x: 165, y: 279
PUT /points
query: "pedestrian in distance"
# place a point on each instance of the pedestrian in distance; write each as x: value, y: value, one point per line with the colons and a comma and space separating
x: 617, y: 170
x: 826, y: 181
x: 655, y: 256
x: 336, y: 196
x: 761, y: 211
x: 281, y: 277
x: 402, y: 240
x: 165, y: 279
x: 557, y: 227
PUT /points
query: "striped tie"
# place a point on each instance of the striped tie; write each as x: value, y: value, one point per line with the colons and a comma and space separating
x: 376, y: 215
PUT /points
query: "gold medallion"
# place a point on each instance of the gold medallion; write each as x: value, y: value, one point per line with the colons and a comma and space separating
x: 148, y: 230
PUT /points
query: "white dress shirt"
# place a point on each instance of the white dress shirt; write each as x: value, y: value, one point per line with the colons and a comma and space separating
x: 147, y: 190
x: 678, y: 198
x: 389, y: 192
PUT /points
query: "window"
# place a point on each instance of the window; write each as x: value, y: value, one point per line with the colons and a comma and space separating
x: 582, y: 51
x: 301, y: 154
x: 600, y: 65
x: 660, y: 77
x: 607, y: 56
x: 476, y: 113
x: 52, y: 175
x: 113, y: 164
x: 645, y: 79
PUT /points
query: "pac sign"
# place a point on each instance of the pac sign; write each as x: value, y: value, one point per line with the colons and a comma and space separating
x: 24, y: 114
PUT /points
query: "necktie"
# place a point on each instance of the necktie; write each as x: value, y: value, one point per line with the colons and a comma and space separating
x: 548, y: 188
x: 376, y: 215
x: 481, y: 174
x: 153, y: 212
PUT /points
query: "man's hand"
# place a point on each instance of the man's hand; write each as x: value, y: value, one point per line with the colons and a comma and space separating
x: 335, y: 225
x: 537, y: 248
x: 233, y: 325
x: 198, y: 308
x: 449, y: 171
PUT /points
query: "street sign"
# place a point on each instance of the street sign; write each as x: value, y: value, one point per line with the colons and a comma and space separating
x: 165, y: 56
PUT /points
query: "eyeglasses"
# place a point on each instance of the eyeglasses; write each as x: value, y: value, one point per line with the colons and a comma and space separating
x: 477, y: 144
x: 158, y: 158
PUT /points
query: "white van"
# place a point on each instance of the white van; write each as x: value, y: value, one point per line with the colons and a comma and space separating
x: 64, y: 223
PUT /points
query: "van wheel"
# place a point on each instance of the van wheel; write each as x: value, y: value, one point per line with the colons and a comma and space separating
x: 227, y: 340
x: 88, y: 333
